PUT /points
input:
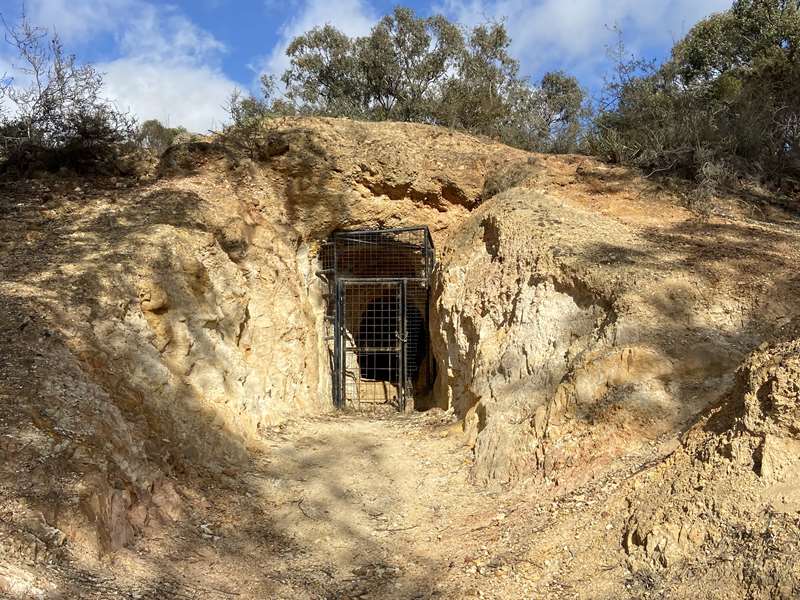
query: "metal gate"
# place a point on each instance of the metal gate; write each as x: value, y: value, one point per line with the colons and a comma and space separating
x: 379, y: 287
x: 373, y: 343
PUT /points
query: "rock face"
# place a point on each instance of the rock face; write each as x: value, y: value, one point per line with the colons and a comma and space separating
x: 509, y: 333
x: 738, y: 470
x: 561, y: 334
x: 172, y: 321
x: 160, y: 328
x: 768, y: 394
x: 769, y: 383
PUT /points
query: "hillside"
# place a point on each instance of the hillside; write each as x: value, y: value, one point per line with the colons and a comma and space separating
x: 614, y: 415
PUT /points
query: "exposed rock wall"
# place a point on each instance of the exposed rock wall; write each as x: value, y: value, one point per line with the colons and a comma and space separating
x: 173, y: 326
x: 737, y: 471
x: 213, y: 309
x: 563, y: 338
x: 175, y: 319
x: 509, y: 335
x: 769, y: 385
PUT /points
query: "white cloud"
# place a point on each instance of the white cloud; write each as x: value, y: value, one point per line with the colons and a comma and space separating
x: 573, y: 34
x: 77, y: 20
x: 165, y: 67
x: 169, y: 71
x: 353, y: 17
x: 175, y: 94
x: 158, y: 34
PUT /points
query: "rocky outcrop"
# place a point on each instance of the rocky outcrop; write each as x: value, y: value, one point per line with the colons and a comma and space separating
x: 769, y: 385
x: 175, y: 320
x: 509, y: 334
x: 738, y: 470
x: 159, y: 329
x: 562, y: 338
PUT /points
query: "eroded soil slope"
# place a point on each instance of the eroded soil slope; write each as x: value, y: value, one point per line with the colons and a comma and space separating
x: 165, y: 426
x: 568, y: 336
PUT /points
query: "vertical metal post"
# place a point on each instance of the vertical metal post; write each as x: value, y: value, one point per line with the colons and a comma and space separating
x: 333, y: 288
x: 429, y: 263
x: 428, y: 255
x: 403, y: 335
x: 338, y: 346
x: 429, y: 354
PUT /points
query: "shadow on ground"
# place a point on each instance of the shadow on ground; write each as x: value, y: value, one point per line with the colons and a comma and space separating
x: 71, y: 428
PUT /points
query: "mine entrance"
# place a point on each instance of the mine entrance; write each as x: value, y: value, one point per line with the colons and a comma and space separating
x: 378, y: 305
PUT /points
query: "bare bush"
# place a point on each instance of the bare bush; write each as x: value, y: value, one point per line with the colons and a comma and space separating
x: 508, y: 177
x: 247, y: 131
x: 53, y: 112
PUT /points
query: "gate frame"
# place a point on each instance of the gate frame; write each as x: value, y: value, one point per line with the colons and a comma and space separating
x: 337, y: 296
x: 340, y: 341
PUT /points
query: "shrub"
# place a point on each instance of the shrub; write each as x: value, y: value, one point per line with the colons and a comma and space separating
x: 156, y: 137
x: 248, y: 131
x: 726, y: 104
x: 508, y: 177
x: 58, y: 117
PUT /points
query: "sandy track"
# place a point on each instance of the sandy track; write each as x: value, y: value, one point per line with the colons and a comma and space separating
x: 341, y: 506
x: 348, y: 506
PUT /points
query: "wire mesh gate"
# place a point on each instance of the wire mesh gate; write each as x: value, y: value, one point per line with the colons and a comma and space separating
x: 378, y: 304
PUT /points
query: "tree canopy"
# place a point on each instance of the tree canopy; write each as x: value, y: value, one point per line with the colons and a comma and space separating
x: 429, y: 70
x: 725, y: 105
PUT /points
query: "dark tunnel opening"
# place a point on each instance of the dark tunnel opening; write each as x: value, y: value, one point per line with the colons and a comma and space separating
x: 380, y: 327
x: 378, y: 306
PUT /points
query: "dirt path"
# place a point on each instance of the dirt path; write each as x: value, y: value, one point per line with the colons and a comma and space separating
x: 348, y: 506
x: 354, y: 506
x: 363, y: 503
x: 342, y: 506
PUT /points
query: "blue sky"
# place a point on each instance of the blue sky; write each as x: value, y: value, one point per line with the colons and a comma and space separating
x: 179, y: 61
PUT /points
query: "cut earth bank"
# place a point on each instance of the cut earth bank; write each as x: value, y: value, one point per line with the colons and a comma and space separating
x: 587, y: 329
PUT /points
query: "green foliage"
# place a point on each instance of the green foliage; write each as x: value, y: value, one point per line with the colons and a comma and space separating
x: 393, y: 73
x: 480, y: 98
x: 429, y: 70
x: 404, y: 60
x: 247, y: 130
x: 563, y: 110
x: 726, y: 104
x: 157, y: 137
x: 323, y: 76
